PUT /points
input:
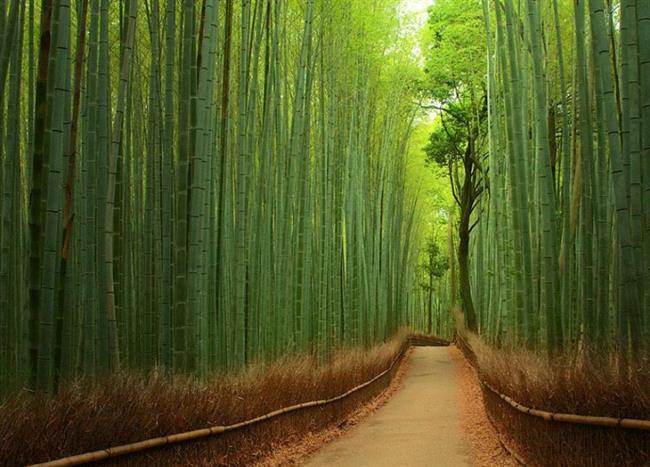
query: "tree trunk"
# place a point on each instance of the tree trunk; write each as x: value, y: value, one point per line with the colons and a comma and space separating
x: 463, y: 263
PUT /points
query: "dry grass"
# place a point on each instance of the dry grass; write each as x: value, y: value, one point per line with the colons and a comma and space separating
x: 296, y: 452
x: 87, y: 416
x: 585, y: 383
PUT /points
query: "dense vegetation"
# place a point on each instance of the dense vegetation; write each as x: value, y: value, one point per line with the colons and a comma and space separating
x: 198, y: 185
x: 547, y: 147
x: 544, y: 131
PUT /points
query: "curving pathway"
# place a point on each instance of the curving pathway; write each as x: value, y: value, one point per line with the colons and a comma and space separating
x: 418, y: 426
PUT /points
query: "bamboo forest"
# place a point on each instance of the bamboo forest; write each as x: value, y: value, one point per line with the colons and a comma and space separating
x: 231, y: 229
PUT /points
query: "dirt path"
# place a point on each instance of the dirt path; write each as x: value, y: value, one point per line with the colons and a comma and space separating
x: 418, y: 426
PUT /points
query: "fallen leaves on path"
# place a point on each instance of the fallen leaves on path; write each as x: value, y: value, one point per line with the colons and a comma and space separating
x: 486, y: 448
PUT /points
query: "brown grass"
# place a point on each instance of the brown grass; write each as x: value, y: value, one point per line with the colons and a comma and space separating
x: 585, y: 383
x: 87, y: 416
x: 297, y: 451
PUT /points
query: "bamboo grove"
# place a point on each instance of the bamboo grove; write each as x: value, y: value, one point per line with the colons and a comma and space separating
x: 199, y: 185
x: 562, y: 252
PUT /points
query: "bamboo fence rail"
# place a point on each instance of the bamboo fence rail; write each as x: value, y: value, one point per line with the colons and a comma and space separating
x: 629, y: 423
x: 139, y: 446
x: 131, y: 448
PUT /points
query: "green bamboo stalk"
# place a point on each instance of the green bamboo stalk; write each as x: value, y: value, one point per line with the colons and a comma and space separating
x: 167, y: 185
x: 643, y: 16
x: 113, y: 348
x: 629, y: 314
x: 183, y: 358
x: 10, y: 248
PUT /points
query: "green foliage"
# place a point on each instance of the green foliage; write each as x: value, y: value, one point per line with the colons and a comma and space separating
x: 454, y: 47
x: 431, y: 185
x: 435, y: 264
x: 455, y: 87
x: 446, y: 143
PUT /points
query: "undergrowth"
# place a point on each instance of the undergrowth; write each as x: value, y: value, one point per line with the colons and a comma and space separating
x: 582, y: 383
x: 90, y: 415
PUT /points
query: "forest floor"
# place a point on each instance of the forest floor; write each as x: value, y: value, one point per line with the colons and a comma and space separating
x: 486, y: 448
x: 433, y: 414
x: 420, y: 425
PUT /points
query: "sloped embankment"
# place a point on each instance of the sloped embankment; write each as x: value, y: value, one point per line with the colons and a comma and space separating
x: 527, y: 397
x: 90, y: 416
